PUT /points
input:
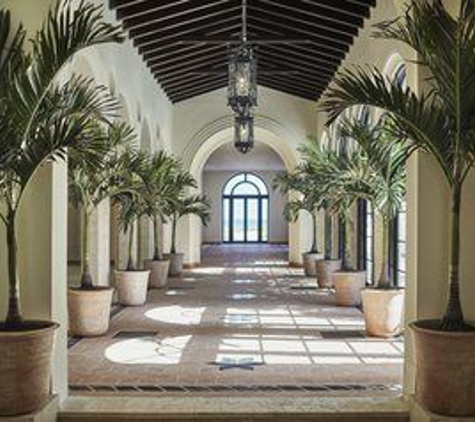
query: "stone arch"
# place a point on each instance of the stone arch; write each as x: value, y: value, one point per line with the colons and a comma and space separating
x: 208, y: 140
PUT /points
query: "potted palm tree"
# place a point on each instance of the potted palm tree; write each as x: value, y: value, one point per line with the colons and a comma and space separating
x: 442, y: 124
x: 158, y: 192
x: 92, y: 181
x: 39, y: 119
x: 310, y: 200
x: 131, y: 282
x: 184, y: 204
x: 332, y: 168
x: 382, y: 182
x: 314, y: 157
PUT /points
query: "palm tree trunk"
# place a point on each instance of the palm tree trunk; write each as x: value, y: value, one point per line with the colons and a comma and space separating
x: 157, y: 255
x: 314, y: 248
x: 453, y: 319
x: 173, y: 245
x: 383, y: 280
x: 130, y: 247
x: 347, y: 244
x: 86, y: 277
x: 328, y: 236
x: 14, y: 318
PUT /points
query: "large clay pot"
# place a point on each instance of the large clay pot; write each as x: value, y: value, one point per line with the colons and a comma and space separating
x: 383, y: 312
x: 348, y: 287
x: 158, y: 272
x: 309, y: 260
x: 89, y: 311
x: 176, y: 264
x: 25, y: 367
x: 445, y: 370
x: 325, y: 268
x: 132, y: 287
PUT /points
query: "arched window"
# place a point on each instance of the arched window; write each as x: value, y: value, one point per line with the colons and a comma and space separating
x: 245, y: 209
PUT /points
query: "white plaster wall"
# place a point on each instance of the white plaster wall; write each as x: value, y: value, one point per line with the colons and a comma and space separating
x: 213, y: 184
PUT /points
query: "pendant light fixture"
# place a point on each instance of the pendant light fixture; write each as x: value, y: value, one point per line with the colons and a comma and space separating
x: 242, y: 88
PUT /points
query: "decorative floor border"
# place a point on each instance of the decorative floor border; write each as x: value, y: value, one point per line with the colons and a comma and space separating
x: 280, y: 388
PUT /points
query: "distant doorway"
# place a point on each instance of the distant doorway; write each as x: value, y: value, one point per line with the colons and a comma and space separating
x: 245, y: 210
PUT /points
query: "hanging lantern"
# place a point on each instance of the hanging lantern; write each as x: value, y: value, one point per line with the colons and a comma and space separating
x: 242, y: 84
x: 243, y: 133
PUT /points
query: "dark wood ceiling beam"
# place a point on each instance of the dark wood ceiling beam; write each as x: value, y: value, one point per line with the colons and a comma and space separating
x: 341, y: 6
x: 328, y: 29
x: 152, y: 40
x: 172, y: 74
x: 299, y: 54
x: 291, y: 80
x: 191, y: 78
x: 295, y: 31
x: 184, y: 95
x: 315, y: 77
x: 194, y: 85
x: 198, y: 61
x: 196, y: 22
x: 129, y: 8
x: 180, y: 57
x: 321, y: 45
x: 274, y: 57
x: 297, y: 93
x: 176, y: 46
x: 153, y: 13
x: 309, y: 48
x: 317, y: 11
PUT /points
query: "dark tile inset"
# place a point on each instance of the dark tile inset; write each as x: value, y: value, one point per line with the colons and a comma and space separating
x: 116, y: 309
x: 72, y: 341
x: 134, y: 334
x: 342, y: 334
x: 149, y: 388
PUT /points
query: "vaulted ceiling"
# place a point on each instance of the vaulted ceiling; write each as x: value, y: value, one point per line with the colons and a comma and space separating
x: 186, y: 43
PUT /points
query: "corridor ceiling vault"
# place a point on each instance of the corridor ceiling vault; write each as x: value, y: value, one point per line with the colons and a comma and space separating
x: 299, y: 43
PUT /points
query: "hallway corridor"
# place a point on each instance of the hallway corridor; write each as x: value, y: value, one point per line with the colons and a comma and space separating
x: 243, y: 323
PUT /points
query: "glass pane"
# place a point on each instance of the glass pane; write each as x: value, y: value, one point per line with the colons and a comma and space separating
x: 264, y: 219
x: 226, y: 220
x: 401, y: 256
x: 261, y: 186
x: 252, y: 220
x: 233, y: 182
x: 238, y: 220
x: 245, y: 189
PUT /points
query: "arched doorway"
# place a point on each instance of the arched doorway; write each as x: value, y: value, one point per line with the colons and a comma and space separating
x: 245, y: 210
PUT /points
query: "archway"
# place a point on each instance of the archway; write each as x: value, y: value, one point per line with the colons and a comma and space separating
x: 218, y: 133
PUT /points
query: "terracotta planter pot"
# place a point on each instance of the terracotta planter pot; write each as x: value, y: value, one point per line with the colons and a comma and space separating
x: 89, y: 311
x: 383, y: 312
x: 25, y: 368
x: 325, y: 268
x: 132, y: 287
x: 309, y: 260
x: 445, y: 370
x: 348, y: 287
x: 176, y: 264
x: 158, y: 272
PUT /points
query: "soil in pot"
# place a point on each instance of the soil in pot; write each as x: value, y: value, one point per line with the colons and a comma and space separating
x: 309, y: 260
x: 89, y: 311
x: 445, y: 369
x: 25, y: 367
x: 348, y: 287
x: 324, y: 269
x: 176, y: 264
x: 132, y: 287
x: 383, y: 311
x: 158, y: 272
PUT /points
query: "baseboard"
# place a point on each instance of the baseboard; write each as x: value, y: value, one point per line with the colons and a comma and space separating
x: 293, y: 264
x: 190, y: 265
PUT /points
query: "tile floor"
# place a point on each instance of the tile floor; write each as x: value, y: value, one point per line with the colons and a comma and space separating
x: 243, y: 323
